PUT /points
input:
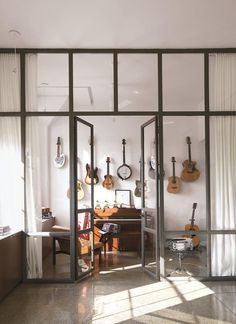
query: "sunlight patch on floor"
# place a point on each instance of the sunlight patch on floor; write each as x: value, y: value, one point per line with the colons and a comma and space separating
x: 127, y: 304
x: 120, y: 269
x: 172, y: 316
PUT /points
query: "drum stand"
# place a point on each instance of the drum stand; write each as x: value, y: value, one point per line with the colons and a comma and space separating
x: 180, y: 270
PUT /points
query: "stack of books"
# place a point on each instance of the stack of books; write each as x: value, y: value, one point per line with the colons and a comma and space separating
x: 4, y: 229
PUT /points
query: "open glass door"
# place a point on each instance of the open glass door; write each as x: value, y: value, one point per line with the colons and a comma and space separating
x: 150, y: 246
x: 83, y: 196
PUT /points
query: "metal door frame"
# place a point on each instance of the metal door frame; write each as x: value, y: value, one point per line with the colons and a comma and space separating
x: 155, y: 232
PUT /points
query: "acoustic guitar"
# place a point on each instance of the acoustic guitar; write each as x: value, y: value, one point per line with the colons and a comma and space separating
x: 193, y: 227
x: 173, y: 182
x: 88, y: 179
x: 60, y: 158
x: 80, y: 191
x: 190, y: 172
x: 108, y: 181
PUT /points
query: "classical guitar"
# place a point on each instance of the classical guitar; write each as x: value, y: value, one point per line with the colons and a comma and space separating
x: 193, y: 227
x: 88, y: 178
x: 190, y: 172
x: 124, y: 172
x: 174, y: 181
x: 108, y: 181
x: 60, y: 158
x: 80, y: 191
x: 138, y: 183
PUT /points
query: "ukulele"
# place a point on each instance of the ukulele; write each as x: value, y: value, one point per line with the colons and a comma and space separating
x: 108, y: 181
x: 88, y: 179
x: 173, y: 182
x: 124, y: 172
x: 138, y: 183
x: 193, y: 227
x: 190, y: 172
x: 60, y: 158
x: 80, y: 191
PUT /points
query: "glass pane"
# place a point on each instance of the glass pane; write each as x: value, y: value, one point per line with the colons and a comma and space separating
x: 137, y: 82
x: 150, y: 167
x: 85, y: 252
x: 184, y: 166
x: 222, y: 79
x: 150, y: 252
x: 223, y: 255
x: 9, y: 82
x: 52, y: 258
x: 11, y: 175
x: 183, y: 82
x: 47, y: 179
x: 183, y: 257
x: 223, y: 173
x: 93, y: 82
x: 47, y: 85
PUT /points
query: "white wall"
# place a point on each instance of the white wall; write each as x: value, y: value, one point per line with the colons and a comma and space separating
x: 109, y: 132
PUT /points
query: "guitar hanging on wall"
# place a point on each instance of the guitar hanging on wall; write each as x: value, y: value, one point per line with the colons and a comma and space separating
x: 80, y: 191
x: 88, y: 179
x: 124, y: 172
x: 108, y: 181
x: 173, y: 182
x: 190, y: 172
x: 60, y: 158
x: 193, y: 227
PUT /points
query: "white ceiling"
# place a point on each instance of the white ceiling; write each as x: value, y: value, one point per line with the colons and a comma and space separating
x: 118, y: 23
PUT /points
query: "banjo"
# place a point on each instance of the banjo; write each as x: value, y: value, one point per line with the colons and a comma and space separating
x: 124, y: 172
x: 60, y: 158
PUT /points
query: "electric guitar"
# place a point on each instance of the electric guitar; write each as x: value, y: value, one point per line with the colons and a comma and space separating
x: 190, y: 172
x: 88, y: 179
x: 80, y: 191
x: 108, y: 181
x: 193, y: 227
x: 60, y: 158
x: 173, y: 182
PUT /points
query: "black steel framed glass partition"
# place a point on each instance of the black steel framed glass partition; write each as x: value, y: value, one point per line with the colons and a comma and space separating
x: 183, y: 87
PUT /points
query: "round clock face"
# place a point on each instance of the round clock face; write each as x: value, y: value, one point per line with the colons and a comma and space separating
x: 124, y: 172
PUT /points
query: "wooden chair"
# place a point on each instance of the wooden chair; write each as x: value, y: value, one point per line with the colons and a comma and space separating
x: 84, y: 245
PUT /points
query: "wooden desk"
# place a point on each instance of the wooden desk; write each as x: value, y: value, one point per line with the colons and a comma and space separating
x: 129, y: 219
x: 47, y: 225
x: 11, y: 248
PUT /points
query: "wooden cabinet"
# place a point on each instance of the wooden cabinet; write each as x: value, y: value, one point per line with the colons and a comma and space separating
x: 11, y: 262
x: 129, y: 219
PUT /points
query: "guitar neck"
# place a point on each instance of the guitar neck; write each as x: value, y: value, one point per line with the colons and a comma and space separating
x: 189, y: 153
x: 108, y: 171
x: 193, y: 214
x: 123, y: 153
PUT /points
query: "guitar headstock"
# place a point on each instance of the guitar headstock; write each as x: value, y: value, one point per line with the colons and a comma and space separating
x: 188, y: 140
x: 123, y: 141
x: 58, y: 141
x: 194, y: 206
x: 108, y: 160
x: 173, y: 159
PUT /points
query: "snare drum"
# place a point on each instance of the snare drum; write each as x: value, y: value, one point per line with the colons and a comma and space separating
x: 180, y: 244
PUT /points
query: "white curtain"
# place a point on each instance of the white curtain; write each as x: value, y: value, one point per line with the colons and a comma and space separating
x: 33, y: 185
x: 11, y: 172
x: 223, y: 165
x: 9, y: 82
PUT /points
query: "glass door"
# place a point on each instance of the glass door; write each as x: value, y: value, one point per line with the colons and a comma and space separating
x: 83, y: 197
x: 150, y: 246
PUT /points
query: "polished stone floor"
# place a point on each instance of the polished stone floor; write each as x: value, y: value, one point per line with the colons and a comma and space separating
x: 120, y: 292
